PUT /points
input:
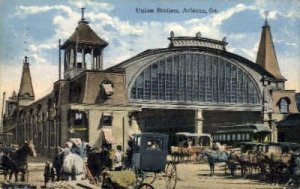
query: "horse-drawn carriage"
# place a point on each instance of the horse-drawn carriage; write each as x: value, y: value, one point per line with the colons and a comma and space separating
x: 149, y: 157
x: 189, y: 144
x: 272, y: 161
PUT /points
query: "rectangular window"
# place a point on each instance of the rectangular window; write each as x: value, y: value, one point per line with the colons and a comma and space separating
x: 243, y: 136
x: 247, y: 136
x: 233, y: 137
x: 108, y: 90
x: 224, y: 137
x: 228, y: 137
x: 107, y: 118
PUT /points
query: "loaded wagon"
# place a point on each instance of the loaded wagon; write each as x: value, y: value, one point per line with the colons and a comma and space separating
x: 189, y: 144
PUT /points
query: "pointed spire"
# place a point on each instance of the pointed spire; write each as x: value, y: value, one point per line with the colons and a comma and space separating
x: 266, y: 55
x: 266, y: 19
x: 82, y: 21
x: 26, y: 89
x: 13, y: 96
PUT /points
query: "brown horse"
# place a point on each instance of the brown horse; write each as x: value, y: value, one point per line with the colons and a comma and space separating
x: 17, y: 161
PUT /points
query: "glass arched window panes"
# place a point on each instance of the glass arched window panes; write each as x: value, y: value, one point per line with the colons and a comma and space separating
x: 284, y: 106
x: 239, y: 136
x: 194, y: 78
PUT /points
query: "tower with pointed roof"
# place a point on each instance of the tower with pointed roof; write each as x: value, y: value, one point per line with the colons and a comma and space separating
x: 26, y: 93
x: 83, y: 50
x: 266, y: 55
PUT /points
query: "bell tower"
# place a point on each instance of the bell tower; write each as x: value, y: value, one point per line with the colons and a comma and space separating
x: 83, y: 50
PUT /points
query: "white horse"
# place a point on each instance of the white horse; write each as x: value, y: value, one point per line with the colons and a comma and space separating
x: 73, y: 166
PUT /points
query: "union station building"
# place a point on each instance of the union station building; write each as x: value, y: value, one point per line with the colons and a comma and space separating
x: 193, y: 85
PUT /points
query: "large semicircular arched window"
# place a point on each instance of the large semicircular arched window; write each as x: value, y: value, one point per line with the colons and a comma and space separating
x: 194, y: 78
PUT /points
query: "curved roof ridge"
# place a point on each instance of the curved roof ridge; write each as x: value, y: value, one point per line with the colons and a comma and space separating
x: 239, y: 58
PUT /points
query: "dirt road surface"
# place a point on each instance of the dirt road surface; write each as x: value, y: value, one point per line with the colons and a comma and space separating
x: 190, y: 176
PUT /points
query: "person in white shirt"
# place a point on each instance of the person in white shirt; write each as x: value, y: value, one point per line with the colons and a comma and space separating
x: 118, y: 158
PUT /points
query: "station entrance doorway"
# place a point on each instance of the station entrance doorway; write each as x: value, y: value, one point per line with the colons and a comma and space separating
x: 166, y: 120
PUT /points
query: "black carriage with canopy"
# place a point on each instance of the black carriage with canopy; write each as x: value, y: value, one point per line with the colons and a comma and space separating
x: 149, y: 157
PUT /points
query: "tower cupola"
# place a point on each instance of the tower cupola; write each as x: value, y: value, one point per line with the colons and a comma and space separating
x: 83, y: 50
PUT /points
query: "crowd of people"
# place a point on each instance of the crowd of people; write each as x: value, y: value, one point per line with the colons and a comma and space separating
x: 84, y: 149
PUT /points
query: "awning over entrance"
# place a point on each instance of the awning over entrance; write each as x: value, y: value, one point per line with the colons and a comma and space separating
x: 262, y: 128
x: 108, y: 136
x: 254, y: 128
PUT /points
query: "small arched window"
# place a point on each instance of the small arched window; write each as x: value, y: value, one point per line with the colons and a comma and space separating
x: 284, y: 105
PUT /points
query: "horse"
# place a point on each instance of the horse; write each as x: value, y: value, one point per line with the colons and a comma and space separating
x: 17, y: 161
x: 214, y: 156
x: 251, y: 160
x: 65, y: 165
x: 97, y: 162
x: 294, y: 171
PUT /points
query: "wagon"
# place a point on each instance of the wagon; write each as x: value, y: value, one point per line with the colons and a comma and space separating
x: 188, y: 144
x: 149, y: 158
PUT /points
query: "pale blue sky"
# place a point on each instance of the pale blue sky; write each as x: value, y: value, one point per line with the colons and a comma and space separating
x: 36, y: 25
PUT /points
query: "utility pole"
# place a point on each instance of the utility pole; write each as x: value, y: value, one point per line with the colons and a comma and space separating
x: 2, y: 112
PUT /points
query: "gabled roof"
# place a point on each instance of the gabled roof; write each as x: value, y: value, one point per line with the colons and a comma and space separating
x: 266, y: 55
x: 83, y: 34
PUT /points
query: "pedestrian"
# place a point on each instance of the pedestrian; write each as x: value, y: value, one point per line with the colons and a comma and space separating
x: 47, y: 173
x: 75, y: 149
x: 129, y: 153
x: 118, y: 158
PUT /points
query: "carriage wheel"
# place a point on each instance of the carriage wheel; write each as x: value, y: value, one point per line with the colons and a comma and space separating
x: 145, y: 186
x: 145, y: 177
x: 171, y: 176
x: 149, y: 178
